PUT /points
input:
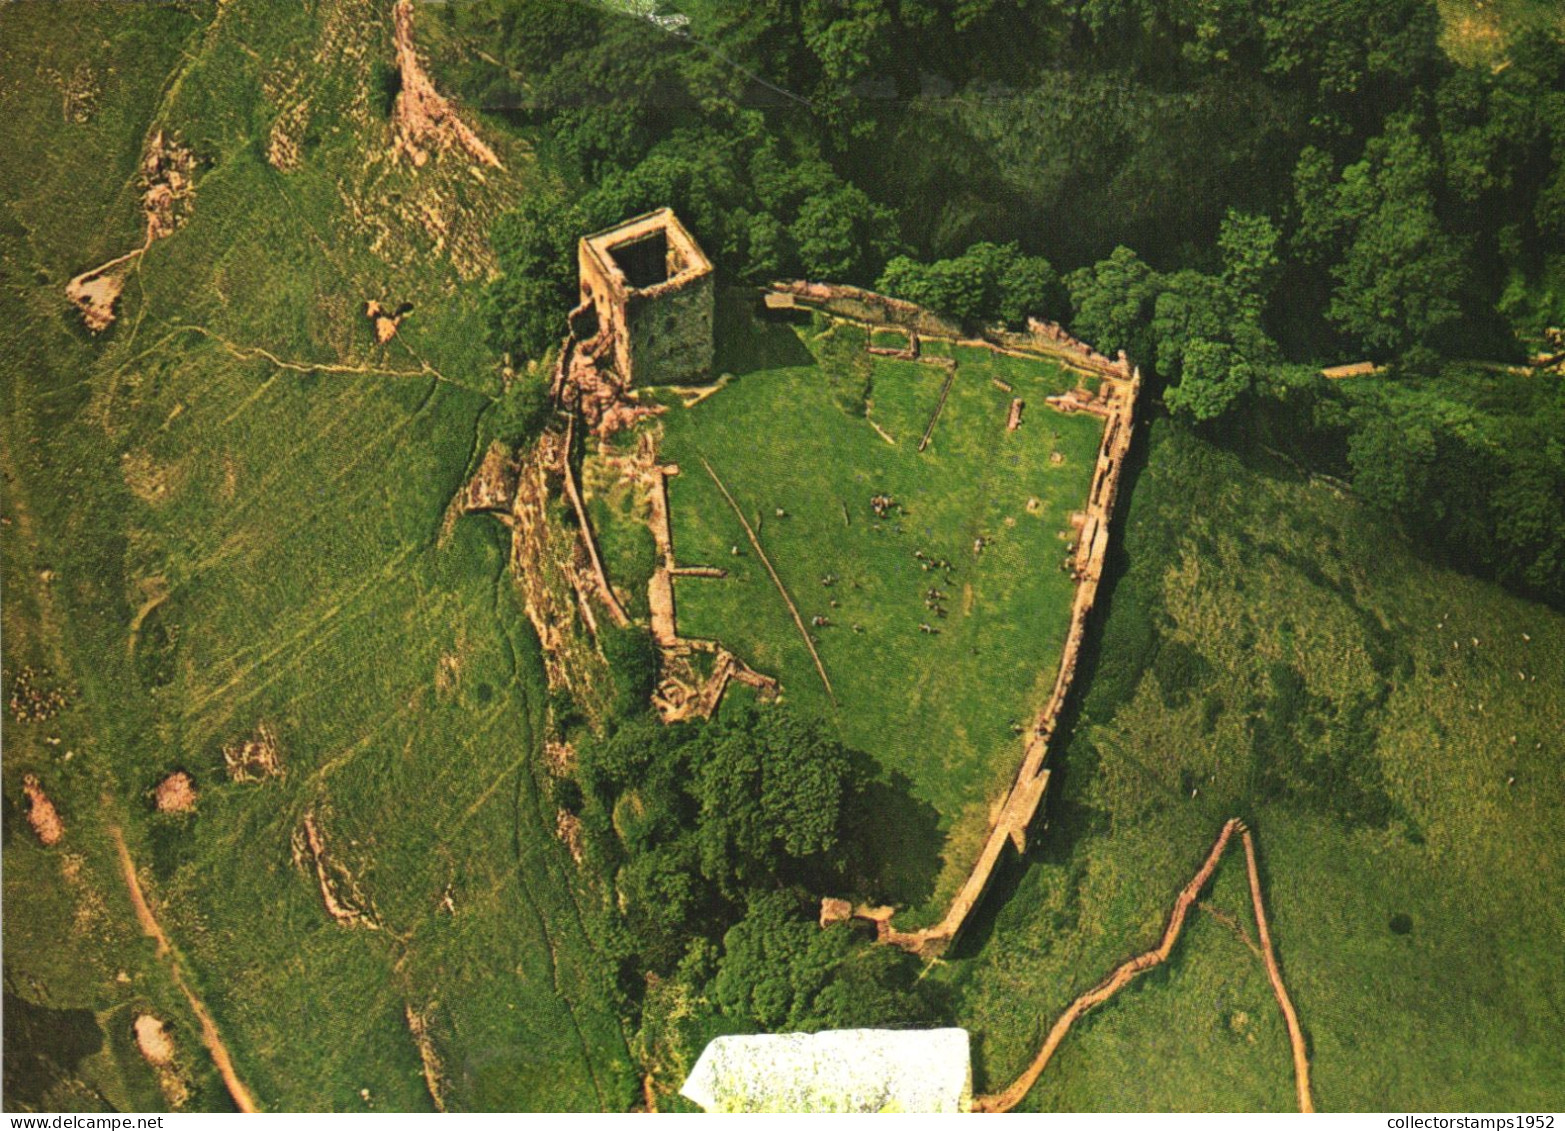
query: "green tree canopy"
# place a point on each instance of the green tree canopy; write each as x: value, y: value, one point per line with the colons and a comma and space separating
x: 842, y: 234
x: 783, y: 972
x: 1399, y: 273
x: 770, y: 786
x: 535, y: 244
x: 1251, y: 261
x: 986, y: 282
x: 1215, y: 377
x: 1113, y: 303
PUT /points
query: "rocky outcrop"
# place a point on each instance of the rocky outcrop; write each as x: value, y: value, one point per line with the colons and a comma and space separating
x: 422, y: 118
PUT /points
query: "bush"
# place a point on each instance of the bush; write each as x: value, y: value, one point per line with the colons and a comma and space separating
x: 783, y: 972
x: 633, y: 660
x: 988, y: 282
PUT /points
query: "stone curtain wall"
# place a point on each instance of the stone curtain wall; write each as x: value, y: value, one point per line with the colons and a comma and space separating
x: 560, y: 569
x: 860, y: 305
x: 1116, y: 402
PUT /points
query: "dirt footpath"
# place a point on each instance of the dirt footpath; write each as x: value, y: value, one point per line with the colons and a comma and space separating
x: 210, y: 1037
x: 1135, y: 967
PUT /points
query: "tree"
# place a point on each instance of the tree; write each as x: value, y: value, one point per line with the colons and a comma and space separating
x: 1215, y: 377
x: 849, y: 40
x: 784, y: 177
x: 633, y: 660
x: 532, y: 36
x: 636, y: 750
x: 663, y: 897
x: 784, y: 972
x: 1113, y: 303
x: 1189, y: 307
x: 1398, y: 271
x: 524, y: 315
x: 771, y: 788
x: 688, y: 171
x: 1251, y: 264
x: 604, y: 103
x: 843, y: 235
x: 1351, y: 54
x: 986, y: 282
x: 775, y: 962
x: 521, y: 413
x: 768, y: 248
x: 875, y: 987
x: 954, y: 287
x: 1392, y: 451
x: 525, y: 305
x: 1529, y: 507
x: 1029, y: 287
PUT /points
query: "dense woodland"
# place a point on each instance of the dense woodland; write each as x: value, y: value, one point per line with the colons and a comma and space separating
x: 1235, y: 192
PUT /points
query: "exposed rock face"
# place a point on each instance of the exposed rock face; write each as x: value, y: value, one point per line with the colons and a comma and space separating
x: 156, y: 1046
x: 94, y: 293
x: 175, y: 793
x: 153, y: 1040
x: 41, y: 813
x: 255, y: 759
x: 340, y: 892
x: 385, y: 321
x: 424, y: 120
x: 493, y: 486
x: 845, y: 1070
x: 428, y: 1054
x: 168, y: 171
x: 835, y: 911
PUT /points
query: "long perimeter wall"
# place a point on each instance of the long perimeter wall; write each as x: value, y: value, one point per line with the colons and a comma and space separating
x: 1116, y: 402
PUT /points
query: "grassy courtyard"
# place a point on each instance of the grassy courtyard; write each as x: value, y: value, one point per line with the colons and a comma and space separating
x: 790, y: 433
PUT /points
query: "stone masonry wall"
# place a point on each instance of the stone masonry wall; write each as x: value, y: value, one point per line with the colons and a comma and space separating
x: 670, y: 333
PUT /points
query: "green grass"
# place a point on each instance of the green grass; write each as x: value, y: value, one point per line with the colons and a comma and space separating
x: 934, y: 711
x: 889, y: 339
x: 1481, y: 32
x: 281, y: 524
x: 1212, y: 994
x: 1272, y: 651
x: 619, y: 513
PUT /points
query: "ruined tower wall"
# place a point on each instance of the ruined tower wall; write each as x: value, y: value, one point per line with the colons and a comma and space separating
x: 669, y: 331
x: 651, y: 287
x: 599, y: 289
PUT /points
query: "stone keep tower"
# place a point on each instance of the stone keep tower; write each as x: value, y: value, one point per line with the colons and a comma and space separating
x: 649, y: 286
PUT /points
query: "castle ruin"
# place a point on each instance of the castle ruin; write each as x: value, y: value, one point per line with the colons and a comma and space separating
x: 646, y: 317
x: 647, y: 292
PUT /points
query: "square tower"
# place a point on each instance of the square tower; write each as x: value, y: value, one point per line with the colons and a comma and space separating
x: 650, y: 286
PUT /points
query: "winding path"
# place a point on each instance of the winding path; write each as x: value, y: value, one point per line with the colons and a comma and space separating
x: 1130, y: 970
x: 210, y: 1037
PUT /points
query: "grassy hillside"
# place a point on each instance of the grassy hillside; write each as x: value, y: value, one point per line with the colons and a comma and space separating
x: 1389, y: 729
x: 225, y: 512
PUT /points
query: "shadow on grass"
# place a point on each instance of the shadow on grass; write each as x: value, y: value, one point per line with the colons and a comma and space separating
x: 747, y: 342
x: 894, y: 849
x: 43, y: 1048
